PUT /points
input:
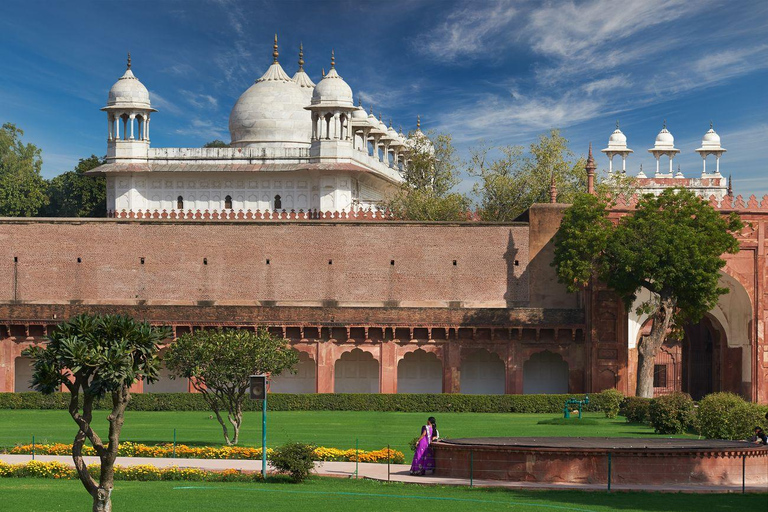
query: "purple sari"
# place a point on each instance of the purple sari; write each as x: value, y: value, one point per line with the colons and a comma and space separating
x: 423, y: 460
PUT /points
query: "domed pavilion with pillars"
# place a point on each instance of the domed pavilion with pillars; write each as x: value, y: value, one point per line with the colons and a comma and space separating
x: 295, y: 146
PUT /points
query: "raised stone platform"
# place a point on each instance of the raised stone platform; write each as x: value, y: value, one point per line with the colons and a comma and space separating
x: 595, y: 460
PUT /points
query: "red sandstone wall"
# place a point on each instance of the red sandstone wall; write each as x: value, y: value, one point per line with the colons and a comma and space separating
x: 361, y: 272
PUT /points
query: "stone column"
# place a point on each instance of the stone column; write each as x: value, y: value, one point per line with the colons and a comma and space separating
x: 388, y: 367
x: 325, y: 367
x: 131, y: 118
x: 452, y: 367
x: 336, y: 126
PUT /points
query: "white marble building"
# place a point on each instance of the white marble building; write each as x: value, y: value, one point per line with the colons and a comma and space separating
x: 706, y: 185
x: 294, y: 146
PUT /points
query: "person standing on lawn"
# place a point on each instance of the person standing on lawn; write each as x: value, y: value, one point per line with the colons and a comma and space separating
x: 423, y: 459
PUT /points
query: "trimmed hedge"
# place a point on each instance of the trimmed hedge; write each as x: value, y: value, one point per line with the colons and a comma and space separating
x: 672, y: 414
x: 326, y: 402
x: 636, y: 409
x: 728, y: 416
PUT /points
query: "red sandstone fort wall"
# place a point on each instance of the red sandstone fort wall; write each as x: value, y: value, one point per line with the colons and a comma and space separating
x: 156, y: 262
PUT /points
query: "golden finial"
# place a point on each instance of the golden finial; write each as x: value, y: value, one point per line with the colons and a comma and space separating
x: 274, y: 53
x: 301, y: 56
x: 418, y: 122
x: 333, y: 60
x: 129, y: 60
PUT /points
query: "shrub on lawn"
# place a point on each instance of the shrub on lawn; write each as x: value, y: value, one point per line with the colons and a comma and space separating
x: 611, y: 399
x: 728, y: 416
x: 636, y: 409
x: 672, y: 413
x: 400, y: 402
x: 294, y: 459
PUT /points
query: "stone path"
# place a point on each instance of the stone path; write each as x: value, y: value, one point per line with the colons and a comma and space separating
x: 397, y: 473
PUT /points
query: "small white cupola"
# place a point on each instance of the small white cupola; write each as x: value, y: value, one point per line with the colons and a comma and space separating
x: 664, y: 146
x: 331, y: 106
x: 617, y: 145
x: 710, y: 145
x: 128, y: 110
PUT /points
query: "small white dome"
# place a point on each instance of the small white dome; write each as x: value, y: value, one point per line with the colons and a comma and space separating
x: 664, y: 138
x: 711, y: 138
x: 359, y: 114
x: 271, y: 112
x: 128, y: 91
x: 617, y: 138
x: 332, y: 91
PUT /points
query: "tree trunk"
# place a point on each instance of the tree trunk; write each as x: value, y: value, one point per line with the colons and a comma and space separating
x: 102, y: 500
x: 649, y: 345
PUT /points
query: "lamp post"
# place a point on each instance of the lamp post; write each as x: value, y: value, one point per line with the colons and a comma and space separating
x: 259, y: 392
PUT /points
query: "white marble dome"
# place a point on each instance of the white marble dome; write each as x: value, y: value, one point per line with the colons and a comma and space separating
x: 711, y: 138
x: 271, y: 113
x: 664, y: 139
x: 617, y: 138
x: 332, y: 91
x: 128, y: 92
x: 359, y: 114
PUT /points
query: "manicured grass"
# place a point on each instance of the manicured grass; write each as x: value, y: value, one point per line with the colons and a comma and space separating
x: 38, y: 495
x: 337, y: 429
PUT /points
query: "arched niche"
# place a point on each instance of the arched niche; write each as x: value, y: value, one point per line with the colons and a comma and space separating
x: 22, y: 371
x: 356, y: 372
x: 545, y: 373
x: 303, y: 381
x: 165, y: 384
x: 482, y: 373
x: 419, y: 372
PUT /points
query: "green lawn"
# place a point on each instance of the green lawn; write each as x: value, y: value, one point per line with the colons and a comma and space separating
x: 337, y: 429
x: 33, y: 495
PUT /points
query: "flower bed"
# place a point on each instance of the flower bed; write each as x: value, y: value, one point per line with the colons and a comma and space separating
x: 128, y: 449
x: 145, y: 473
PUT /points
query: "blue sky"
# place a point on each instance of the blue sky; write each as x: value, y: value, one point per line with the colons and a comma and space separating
x: 501, y: 72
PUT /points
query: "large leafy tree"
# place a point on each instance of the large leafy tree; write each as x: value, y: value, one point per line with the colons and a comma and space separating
x: 22, y: 188
x: 75, y: 194
x: 515, y: 178
x: 429, y: 179
x: 670, y: 245
x: 219, y: 364
x: 94, y: 356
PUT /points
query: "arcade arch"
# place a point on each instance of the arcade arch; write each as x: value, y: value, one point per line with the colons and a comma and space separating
x: 482, y: 373
x: 22, y: 374
x: 303, y: 381
x: 419, y: 372
x: 356, y: 372
x: 545, y: 373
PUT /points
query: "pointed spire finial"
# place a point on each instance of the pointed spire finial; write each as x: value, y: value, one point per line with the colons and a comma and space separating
x: 370, y: 110
x: 711, y: 125
x: 590, y: 167
x: 730, y: 185
x: 664, y: 126
x: 641, y: 167
x: 274, y: 52
x: 129, y: 60
x: 390, y: 122
x: 323, y: 71
x: 617, y: 124
x: 418, y: 122
x: 359, y: 102
x: 333, y: 59
x: 301, y: 56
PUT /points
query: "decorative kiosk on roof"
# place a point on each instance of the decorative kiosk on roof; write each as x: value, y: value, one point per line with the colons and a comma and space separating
x: 664, y: 146
x: 294, y: 146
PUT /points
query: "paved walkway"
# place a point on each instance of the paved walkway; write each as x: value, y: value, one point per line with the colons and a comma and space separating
x: 397, y: 473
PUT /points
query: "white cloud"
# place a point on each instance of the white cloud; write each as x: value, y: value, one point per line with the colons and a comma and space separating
x: 604, y: 85
x: 204, y: 128
x: 469, y: 31
x: 200, y: 101
x: 163, y: 104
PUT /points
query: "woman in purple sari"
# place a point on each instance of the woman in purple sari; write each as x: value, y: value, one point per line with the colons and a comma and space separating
x: 423, y: 459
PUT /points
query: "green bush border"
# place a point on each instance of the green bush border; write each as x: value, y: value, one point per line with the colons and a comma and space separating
x: 326, y: 402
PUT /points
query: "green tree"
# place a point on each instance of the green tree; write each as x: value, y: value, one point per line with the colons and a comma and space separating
x: 22, y: 188
x: 75, y: 194
x: 670, y: 245
x: 430, y: 176
x: 514, y: 180
x: 216, y: 143
x: 94, y: 356
x: 219, y: 364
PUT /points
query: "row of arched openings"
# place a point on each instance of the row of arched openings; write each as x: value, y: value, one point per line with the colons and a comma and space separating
x: 357, y: 371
